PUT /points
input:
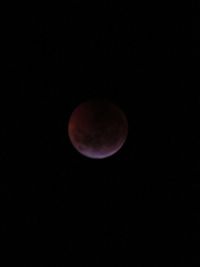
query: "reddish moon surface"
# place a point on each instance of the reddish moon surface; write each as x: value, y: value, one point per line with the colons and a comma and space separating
x: 97, y: 129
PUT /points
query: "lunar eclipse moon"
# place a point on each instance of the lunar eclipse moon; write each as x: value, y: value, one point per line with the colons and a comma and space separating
x: 97, y: 129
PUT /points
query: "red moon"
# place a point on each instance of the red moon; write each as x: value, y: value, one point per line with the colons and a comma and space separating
x: 97, y: 129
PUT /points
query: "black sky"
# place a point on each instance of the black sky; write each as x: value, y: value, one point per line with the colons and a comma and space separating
x: 137, y: 208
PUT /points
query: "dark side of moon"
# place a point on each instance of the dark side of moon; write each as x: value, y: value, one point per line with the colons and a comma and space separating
x: 97, y: 129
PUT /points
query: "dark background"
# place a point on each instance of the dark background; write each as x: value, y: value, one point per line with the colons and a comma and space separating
x: 137, y: 208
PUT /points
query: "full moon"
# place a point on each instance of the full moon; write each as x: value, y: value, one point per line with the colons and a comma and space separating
x: 97, y: 129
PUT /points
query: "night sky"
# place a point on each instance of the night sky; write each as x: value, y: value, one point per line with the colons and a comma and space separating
x: 139, y: 207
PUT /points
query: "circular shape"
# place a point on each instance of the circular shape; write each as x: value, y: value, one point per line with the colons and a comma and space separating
x: 97, y: 129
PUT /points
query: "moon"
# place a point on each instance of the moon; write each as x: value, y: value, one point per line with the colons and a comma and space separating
x: 97, y: 129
